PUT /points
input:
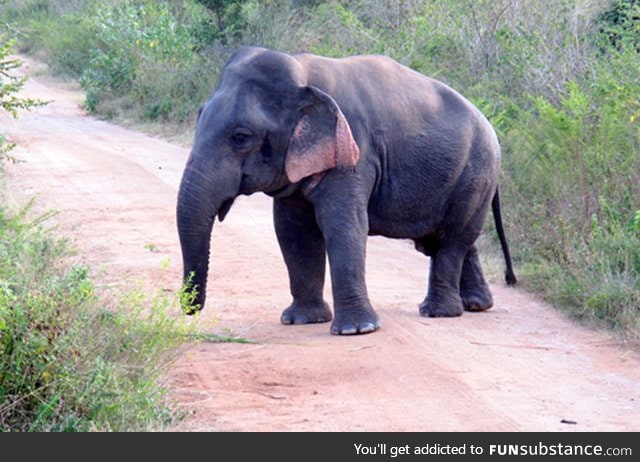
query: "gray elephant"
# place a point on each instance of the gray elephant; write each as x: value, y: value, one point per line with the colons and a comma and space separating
x: 347, y: 148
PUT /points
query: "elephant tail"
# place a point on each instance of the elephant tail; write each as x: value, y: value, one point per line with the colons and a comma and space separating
x: 510, y: 276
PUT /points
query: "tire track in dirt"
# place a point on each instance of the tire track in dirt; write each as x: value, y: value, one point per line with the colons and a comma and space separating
x: 521, y: 366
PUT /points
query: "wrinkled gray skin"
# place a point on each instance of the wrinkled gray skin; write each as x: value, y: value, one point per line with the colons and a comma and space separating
x: 346, y: 147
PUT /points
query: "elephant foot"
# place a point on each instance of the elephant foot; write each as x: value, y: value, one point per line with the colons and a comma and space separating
x: 309, y: 313
x: 477, y: 300
x: 441, y: 309
x: 353, y: 322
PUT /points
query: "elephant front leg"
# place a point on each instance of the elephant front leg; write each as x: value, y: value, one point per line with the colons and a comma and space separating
x: 304, y: 252
x: 346, y: 238
x: 353, y: 311
x: 443, y: 296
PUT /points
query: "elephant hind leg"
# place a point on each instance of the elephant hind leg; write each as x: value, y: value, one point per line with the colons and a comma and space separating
x: 427, y: 245
x: 443, y: 297
x: 474, y: 289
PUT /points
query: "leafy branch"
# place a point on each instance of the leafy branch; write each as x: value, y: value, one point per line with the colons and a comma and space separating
x: 10, y: 85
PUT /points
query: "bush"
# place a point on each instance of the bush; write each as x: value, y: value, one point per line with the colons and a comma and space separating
x: 227, y: 24
x: 573, y: 173
x: 68, y: 360
x: 65, y: 42
x: 620, y: 25
x: 133, y: 37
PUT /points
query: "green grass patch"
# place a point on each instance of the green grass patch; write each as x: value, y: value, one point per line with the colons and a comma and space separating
x: 217, y: 338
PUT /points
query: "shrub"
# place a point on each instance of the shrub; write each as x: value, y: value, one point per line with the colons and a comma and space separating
x: 620, y: 25
x: 573, y: 173
x: 228, y: 23
x: 69, y: 361
x: 144, y: 54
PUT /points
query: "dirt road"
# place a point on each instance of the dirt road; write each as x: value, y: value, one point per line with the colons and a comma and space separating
x: 518, y: 367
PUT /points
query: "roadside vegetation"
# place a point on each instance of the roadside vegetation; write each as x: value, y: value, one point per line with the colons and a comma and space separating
x: 72, y: 357
x: 560, y: 81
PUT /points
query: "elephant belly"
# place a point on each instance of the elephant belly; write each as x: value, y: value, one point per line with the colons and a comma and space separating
x: 409, y: 223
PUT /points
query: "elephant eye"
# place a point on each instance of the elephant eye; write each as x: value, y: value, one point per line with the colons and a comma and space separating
x: 241, y: 137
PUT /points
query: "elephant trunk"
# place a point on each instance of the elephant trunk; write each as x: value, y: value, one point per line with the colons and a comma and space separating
x: 200, y: 200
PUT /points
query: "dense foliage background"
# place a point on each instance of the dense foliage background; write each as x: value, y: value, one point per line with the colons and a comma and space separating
x: 559, y: 79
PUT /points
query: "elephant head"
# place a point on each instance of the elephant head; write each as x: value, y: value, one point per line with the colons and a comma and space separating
x: 263, y: 129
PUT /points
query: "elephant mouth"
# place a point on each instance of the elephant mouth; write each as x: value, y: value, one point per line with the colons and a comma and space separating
x: 277, y: 188
x: 284, y: 191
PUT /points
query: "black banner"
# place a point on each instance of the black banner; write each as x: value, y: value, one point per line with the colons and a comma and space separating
x: 327, y: 447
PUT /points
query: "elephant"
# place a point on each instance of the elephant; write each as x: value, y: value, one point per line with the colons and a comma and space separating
x: 346, y: 148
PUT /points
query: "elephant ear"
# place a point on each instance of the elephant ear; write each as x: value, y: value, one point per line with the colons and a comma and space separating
x: 322, y: 138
